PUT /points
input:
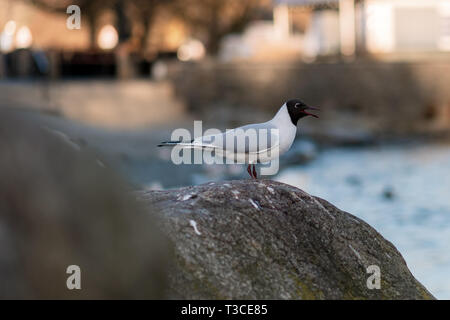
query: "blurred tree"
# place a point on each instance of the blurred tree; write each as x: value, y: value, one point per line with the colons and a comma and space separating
x: 144, y: 12
x: 128, y: 14
x: 211, y: 20
x: 89, y: 10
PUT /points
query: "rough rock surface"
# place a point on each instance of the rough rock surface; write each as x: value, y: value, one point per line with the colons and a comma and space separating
x: 267, y: 240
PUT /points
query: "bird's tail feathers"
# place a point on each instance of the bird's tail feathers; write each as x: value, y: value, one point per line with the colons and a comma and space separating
x: 187, y: 145
x: 174, y: 143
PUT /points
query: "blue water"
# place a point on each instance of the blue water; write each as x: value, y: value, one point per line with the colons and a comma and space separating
x: 403, y: 192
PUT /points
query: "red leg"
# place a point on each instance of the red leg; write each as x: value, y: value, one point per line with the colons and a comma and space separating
x: 249, y: 171
x: 254, y: 172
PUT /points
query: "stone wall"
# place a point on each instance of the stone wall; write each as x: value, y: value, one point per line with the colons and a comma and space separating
x: 392, y: 96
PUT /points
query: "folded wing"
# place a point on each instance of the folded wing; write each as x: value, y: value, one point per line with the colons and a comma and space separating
x: 251, y: 140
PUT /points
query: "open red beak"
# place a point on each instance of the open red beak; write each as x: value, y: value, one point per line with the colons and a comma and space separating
x: 311, y: 114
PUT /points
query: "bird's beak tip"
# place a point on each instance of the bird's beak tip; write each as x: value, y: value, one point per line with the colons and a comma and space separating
x: 311, y: 114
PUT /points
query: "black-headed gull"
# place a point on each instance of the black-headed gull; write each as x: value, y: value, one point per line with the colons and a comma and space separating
x: 254, y: 143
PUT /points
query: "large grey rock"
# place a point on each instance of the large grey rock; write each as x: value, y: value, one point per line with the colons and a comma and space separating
x: 267, y: 240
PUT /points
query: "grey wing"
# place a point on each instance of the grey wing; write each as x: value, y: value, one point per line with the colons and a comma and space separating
x: 252, y: 138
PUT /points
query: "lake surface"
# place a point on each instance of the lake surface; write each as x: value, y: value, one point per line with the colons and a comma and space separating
x: 401, y: 191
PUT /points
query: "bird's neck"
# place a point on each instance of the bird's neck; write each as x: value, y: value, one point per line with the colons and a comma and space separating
x: 282, y: 118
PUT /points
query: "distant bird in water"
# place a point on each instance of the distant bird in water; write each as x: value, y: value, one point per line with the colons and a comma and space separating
x: 284, y: 122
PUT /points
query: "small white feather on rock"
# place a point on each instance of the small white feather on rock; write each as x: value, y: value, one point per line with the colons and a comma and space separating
x: 253, y: 203
x: 355, y: 252
x: 194, y: 225
x: 271, y: 190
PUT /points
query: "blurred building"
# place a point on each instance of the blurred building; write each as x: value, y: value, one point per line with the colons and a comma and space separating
x: 399, y: 25
x: 373, y: 26
x: 346, y: 27
x: 262, y: 41
x: 288, y: 30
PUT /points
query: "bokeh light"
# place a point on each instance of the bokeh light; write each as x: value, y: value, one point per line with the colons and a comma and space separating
x: 191, y: 50
x: 108, y: 37
x: 10, y: 28
x: 24, y: 38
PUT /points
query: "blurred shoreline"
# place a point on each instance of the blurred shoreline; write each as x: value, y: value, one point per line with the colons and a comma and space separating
x: 123, y: 121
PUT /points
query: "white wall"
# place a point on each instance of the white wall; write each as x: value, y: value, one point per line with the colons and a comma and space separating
x: 322, y: 35
x: 407, y: 25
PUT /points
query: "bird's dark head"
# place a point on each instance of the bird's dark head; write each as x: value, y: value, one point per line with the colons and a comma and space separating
x: 298, y: 109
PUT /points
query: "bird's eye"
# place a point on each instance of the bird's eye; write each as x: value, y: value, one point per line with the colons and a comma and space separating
x: 297, y: 105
